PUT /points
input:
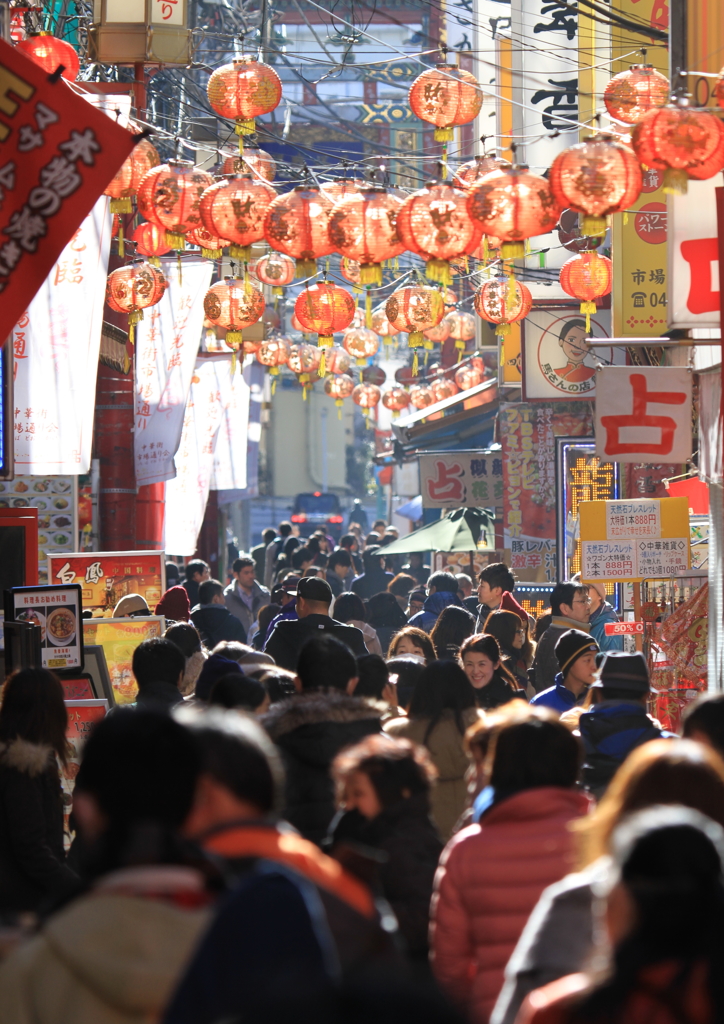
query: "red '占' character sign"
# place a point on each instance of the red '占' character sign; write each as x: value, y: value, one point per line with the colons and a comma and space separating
x: 643, y: 414
x: 447, y: 485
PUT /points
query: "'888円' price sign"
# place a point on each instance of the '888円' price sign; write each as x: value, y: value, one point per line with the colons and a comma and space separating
x: 629, y: 541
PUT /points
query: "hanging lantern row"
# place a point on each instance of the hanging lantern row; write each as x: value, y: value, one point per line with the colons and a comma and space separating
x: 133, y: 288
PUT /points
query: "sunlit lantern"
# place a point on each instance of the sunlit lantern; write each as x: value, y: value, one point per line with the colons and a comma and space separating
x: 396, y: 399
x: 49, y: 53
x: 382, y: 326
x: 363, y: 227
x: 443, y: 388
x: 150, y: 241
x: 242, y: 91
x: 445, y: 96
x: 304, y: 360
x: 470, y: 173
x: 502, y: 301
x: 366, y: 396
x: 297, y: 224
x: 462, y: 328
x: 434, y: 223
x: 256, y: 162
x: 471, y: 374
x: 339, y: 388
x: 413, y: 310
x: 274, y: 353
x: 233, y: 304
x: 339, y: 187
x: 421, y: 396
x: 630, y: 95
x: 361, y: 343
x: 682, y: 142
x: 324, y: 309
x: 513, y: 205
x: 438, y: 334
x: 124, y: 184
x: 211, y: 246
x: 338, y: 361
x: 587, y: 277
x: 597, y: 177
x: 350, y: 270
x: 235, y: 208
x: 133, y: 288
x: 169, y: 196
x: 275, y: 269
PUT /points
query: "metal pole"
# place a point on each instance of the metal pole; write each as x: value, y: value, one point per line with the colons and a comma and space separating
x: 325, y: 453
x: 678, y: 45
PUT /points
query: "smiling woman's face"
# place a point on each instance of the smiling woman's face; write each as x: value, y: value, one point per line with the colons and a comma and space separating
x: 479, y: 668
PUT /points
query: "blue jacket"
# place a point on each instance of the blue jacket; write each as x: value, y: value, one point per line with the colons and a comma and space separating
x: 597, y: 622
x: 610, y: 731
x: 557, y: 697
x: 433, y: 606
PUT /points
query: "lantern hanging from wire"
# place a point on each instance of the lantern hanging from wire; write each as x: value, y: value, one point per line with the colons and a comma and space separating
x: 274, y: 353
x: 150, y: 241
x: 362, y: 343
x: 469, y: 174
x: 421, y: 396
x: 443, y: 388
x: 587, y: 276
x: 211, y: 246
x: 254, y: 161
x: 235, y: 208
x: 133, y: 288
x: 297, y: 224
x: 471, y: 374
x: 502, y: 301
x: 414, y: 309
x: 630, y: 95
x: 350, y: 271
x: 513, y: 204
x: 275, y: 269
x: 381, y: 325
x: 304, y: 360
x: 169, y: 196
x: 124, y: 184
x: 597, y: 177
x: 445, y: 96
x: 373, y: 375
x: 682, y: 142
x: 339, y: 388
x: 233, y: 304
x: 396, y: 399
x: 462, y: 329
x: 340, y: 187
x: 49, y: 53
x: 363, y: 227
x: 324, y: 309
x: 337, y: 360
x: 367, y: 397
x: 242, y: 91
x: 434, y: 224
x: 437, y: 335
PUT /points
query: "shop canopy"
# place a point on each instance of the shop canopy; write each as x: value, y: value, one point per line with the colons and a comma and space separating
x: 459, y: 530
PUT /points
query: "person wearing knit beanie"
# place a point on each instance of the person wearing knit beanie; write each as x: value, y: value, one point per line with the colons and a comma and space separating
x: 576, y: 653
x: 174, y: 604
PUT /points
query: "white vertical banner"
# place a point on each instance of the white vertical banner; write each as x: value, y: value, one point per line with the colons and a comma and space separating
x: 55, y: 346
x: 230, y: 454
x: 188, y: 492
x: 256, y: 381
x: 167, y: 343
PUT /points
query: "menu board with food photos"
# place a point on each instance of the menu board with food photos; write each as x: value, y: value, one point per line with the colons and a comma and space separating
x: 119, y: 639
x: 55, y: 499
x: 57, y: 611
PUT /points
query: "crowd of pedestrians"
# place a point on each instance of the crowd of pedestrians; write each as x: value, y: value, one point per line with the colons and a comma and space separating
x: 360, y: 790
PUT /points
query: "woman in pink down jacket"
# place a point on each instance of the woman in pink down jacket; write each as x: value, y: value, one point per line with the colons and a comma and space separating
x: 491, y: 874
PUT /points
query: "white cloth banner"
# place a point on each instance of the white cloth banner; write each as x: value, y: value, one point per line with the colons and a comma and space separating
x: 254, y: 375
x: 56, y: 345
x: 167, y: 343
x: 230, y: 455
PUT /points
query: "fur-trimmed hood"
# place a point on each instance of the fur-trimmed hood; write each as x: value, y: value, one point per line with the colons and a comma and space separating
x: 318, y: 706
x: 30, y: 758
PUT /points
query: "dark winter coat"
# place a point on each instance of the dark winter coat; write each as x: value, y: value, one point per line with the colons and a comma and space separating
x: 433, y: 607
x: 246, y: 616
x: 192, y: 589
x: 371, y: 583
x: 498, y: 691
x: 610, y: 731
x: 310, y: 730
x: 32, y: 859
x: 545, y: 665
x: 158, y: 695
x: 216, y: 623
x: 288, y: 637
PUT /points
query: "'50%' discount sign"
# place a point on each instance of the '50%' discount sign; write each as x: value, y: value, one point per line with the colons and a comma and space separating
x: 623, y: 628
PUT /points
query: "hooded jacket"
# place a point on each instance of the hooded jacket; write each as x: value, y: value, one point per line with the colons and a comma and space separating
x: 597, y: 623
x: 216, y: 623
x: 238, y: 608
x: 610, y: 730
x: 558, y: 697
x: 545, y: 664
x: 432, y: 608
x: 491, y: 875
x: 310, y: 730
x: 32, y: 858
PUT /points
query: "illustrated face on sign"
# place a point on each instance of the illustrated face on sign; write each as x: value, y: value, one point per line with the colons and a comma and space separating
x: 574, y: 342
x: 559, y: 361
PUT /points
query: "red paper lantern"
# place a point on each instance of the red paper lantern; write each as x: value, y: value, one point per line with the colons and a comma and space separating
x: 470, y: 173
x: 381, y: 325
x: 275, y: 270
x: 324, y: 309
x: 597, y: 177
x: 502, y: 301
x: 366, y: 396
x: 350, y: 270
x: 150, y: 240
x: 421, y: 396
x: 211, y: 246
x: 274, y: 352
x: 244, y: 90
x: 587, y: 277
x: 471, y: 374
x: 438, y: 334
x: 169, y: 196
x: 297, y: 224
x: 235, y: 208
x: 125, y: 182
x: 396, y: 399
x: 413, y: 310
x: 338, y: 361
x: 630, y: 95
x: 234, y: 304
x: 373, y: 375
x: 434, y: 223
x: 462, y: 326
x: 682, y: 142
x: 445, y: 96
x: 443, y: 388
x: 339, y: 388
x: 49, y: 52
x: 363, y: 227
x: 256, y: 162
x: 340, y: 187
x: 513, y: 205
x: 133, y: 288
x: 362, y: 343
x: 304, y: 360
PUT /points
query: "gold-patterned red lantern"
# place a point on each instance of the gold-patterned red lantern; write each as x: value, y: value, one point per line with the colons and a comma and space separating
x: 381, y: 325
x: 235, y: 208
x: 234, y: 304
x: 297, y: 224
x: 513, y: 204
x: 274, y: 353
x: 242, y: 91
x: 470, y: 173
x: 133, y: 288
x: 124, y: 184
x: 445, y: 96
x: 421, y: 396
x: 362, y: 343
x: 587, y: 277
x: 169, y: 196
x: 471, y: 374
x: 49, y: 53
x: 337, y: 360
x: 597, y: 177
x: 150, y: 241
x: 462, y: 327
x: 437, y: 335
x: 396, y: 399
x: 275, y: 269
x: 256, y: 162
x: 212, y: 247
x: 339, y: 388
x: 684, y: 143
x: 443, y: 388
x: 413, y: 310
x: 502, y: 301
x: 324, y: 309
x: 304, y: 360
x: 434, y: 223
x: 630, y: 95
x: 367, y: 397
x: 363, y: 227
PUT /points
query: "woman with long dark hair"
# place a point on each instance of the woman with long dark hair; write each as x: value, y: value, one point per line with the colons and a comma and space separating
x: 350, y: 609
x: 33, y: 723
x: 452, y: 627
x: 442, y: 708
x: 492, y: 682
x: 508, y: 630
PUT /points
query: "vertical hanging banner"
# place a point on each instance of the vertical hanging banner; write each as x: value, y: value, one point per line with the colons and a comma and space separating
x: 55, y: 346
x: 167, y: 342
x: 57, y: 154
x: 230, y: 453
x: 254, y: 375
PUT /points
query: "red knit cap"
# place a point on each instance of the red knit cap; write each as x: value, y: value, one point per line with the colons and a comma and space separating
x: 510, y: 604
x: 174, y: 605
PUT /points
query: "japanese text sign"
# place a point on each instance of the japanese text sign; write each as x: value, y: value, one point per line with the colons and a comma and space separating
x: 694, y: 256
x: 107, y: 576
x: 57, y: 611
x: 643, y: 414
x: 119, y: 638
x: 462, y: 479
x: 558, y: 361
x: 640, y: 292
x: 633, y: 540
x: 57, y: 154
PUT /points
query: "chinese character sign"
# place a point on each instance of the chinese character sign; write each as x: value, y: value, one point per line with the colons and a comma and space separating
x: 640, y: 293
x: 634, y: 539
x: 462, y: 479
x: 57, y: 154
x: 558, y: 361
x: 107, y: 576
x: 57, y: 610
x: 643, y: 413
x: 694, y: 256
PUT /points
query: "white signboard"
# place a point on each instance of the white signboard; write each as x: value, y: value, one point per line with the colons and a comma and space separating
x: 694, y: 256
x: 643, y: 414
x: 558, y: 362
x: 462, y: 479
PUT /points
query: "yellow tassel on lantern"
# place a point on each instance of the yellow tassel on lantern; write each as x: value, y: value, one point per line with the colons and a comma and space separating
x: 512, y: 250
x: 174, y: 241
x: 212, y: 254
x: 306, y: 268
x: 240, y: 252
x: 593, y: 226
x: 121, y: 246
x: 370, y: 273
x: 277, y: 292
x: 415, y: 364
x: 339, y: 403
x: 676, y: 181
x: 439, y: 271
x: 274, y: 386
x: 322, y: 365
x: 460, y: 346
x: 134, y: 317
x: 588, y: 308
x: 178, y: 265
x: 444, y: 134
x: 122, y: 205
x: 233, y: 362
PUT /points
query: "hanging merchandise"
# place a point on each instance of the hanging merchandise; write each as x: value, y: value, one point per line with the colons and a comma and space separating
x: 362, y: 343
x: 502, y: 301
x: 513, y: 205
x: 587, y: 277
x: 684, y: 143
x: 363, y: 227
x: 339, y: 388
x: 235, y: 208
x: 413, y: 310
x: 324, y: 309
x: 472, y: 374
x: 133, y: 288
x: 125, y: 182
x: 275, y: 270
x: 256, y: 162
x: 297, y: 223
x: 234, y: 304
x: 212, y: 247
x: 630, y: 95
x: 242, y: 91
x: 396, y: 399
x: 597, y: 177
x: 421, y: 396
x: 471, y: 173
x: 49, y: 53
x: 434, y: 223
x: 169, y: 196
x: 443, y: 388
x: 445, y: 96
x: 150, y: 241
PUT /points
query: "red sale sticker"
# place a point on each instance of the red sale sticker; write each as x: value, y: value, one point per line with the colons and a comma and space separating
x: 618, y: 628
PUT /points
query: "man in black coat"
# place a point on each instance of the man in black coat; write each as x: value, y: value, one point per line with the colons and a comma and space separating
x: 213, y: 619
x: 314, y: 596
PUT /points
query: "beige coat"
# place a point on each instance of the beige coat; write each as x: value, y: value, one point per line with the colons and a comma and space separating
x: 445, y: 745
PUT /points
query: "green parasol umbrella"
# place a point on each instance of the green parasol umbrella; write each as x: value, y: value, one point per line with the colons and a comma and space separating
x: 459, y: 530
